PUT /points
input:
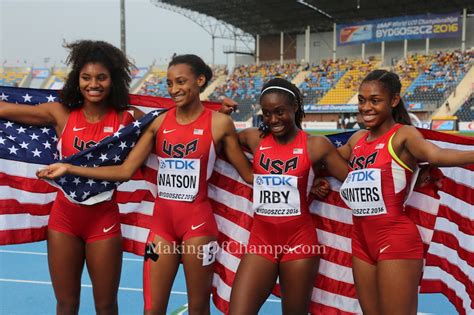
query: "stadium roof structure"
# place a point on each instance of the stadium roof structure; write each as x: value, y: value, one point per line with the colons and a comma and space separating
x: 270, y: 17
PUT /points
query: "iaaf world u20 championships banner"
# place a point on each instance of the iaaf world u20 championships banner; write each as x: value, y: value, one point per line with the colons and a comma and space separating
x: 400, y: 28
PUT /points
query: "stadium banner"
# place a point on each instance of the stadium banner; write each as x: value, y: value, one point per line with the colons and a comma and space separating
x: 319, y: 125
x: 414, y: 106
x: 242, y: 124
x: 422, y: 124
x: 443, y: 125
x: 40, y: 73
x: 400, y: 28
x: 333, y: 108
x: 139, y: 72
x: 466, y: 126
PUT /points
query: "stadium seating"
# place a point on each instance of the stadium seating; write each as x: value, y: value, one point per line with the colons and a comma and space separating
x: 156, y: 84
x: 438, y: 79
x: 321, y: 79
x: 427, y: 81
x: 13, y: 76
x: 348, y: 84
x: 410, y: 68
x: 466, y: 112
x: 58, y: 77
x: 245, y: 83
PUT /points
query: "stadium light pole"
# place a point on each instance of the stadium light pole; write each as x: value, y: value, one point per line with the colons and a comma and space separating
x: 235, y: 48
x: 307, y: 45
x: 257, y: 49
x: 382, y: 52
x: 334, y: 42
x: 213, y: 50
x: 463, y: 34
x: 282, y: 51
x: 314, y: 8
x: 405, y: 48
x: 307, y: 33
x: 122, y: 26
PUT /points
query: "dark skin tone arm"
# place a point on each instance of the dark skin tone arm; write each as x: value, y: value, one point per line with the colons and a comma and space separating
x: 410, y: 145
x: 346, y: 150
x: 228, y: 106
x: 321, y: 186
x: 137, y: 114
x: 249, y: 138
x: 46, y: 114
x: 223, y: 128
x: 122, y: 172
x: 321, y: 150
x: 223, y: 132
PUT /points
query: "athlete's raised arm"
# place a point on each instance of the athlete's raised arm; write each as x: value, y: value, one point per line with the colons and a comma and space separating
x: 413, y: 142
x: 46, y: 114
x: 119, y: 173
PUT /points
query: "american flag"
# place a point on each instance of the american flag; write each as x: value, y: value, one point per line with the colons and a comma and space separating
x: 444, y: 218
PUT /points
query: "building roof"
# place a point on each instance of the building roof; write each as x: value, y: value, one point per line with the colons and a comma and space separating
x: 268, y: 17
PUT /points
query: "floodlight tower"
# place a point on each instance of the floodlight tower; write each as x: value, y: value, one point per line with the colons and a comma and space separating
x: 214, y: 27
x: 122, y: 27
x: 308, y: 35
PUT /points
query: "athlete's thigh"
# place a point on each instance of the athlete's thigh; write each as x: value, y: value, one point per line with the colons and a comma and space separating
x: 296, y: 282
x: 104, y: 263
x: 198, y: 255
x: 398, y: 282
x: 66, y: 262
x: 159, y: 272
x: 254, y: 281
x: 365, y: 280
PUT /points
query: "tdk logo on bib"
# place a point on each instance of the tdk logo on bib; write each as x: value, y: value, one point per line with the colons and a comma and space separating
x: 274, y: 180
x: 177, y: 164
x: 178, y: 179
x: 362, y: 192
x: 360, y: 176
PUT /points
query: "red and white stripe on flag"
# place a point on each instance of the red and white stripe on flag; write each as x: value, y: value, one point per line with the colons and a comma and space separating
x: 445, y: 220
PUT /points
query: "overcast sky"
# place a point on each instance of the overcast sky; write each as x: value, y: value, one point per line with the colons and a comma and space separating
x: 33, y: 30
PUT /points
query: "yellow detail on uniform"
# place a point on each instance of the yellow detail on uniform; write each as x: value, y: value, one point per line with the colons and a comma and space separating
x: 394, y: 155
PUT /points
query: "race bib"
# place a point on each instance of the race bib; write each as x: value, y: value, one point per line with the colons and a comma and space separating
x: 276, y: 195
x: 362, y: 192
x: 178, y: 179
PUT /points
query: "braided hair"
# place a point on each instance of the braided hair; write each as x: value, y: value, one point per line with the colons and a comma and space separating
x: 392, y: 83
x: 291, y: 92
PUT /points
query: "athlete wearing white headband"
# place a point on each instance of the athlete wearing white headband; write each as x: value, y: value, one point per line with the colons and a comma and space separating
x: 284, y: 157
x: 278, y: 88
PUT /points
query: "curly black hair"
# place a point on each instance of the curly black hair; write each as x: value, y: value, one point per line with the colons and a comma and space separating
x: 85, y: 51
x: 198, y: 66
x: 297, y: 98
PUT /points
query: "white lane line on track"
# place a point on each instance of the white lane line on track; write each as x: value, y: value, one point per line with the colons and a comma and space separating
x: 82, y: 285
x: 45, y: 254
x: 90, y: 286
